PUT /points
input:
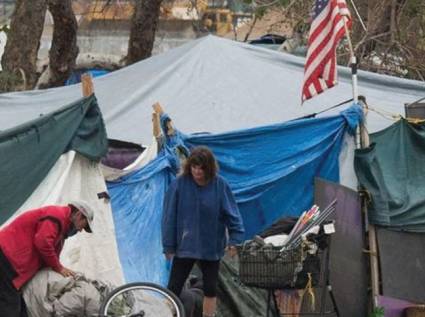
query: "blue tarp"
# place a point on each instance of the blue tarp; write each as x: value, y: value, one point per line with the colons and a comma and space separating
x: 270, y: 169
x: 137, y: 209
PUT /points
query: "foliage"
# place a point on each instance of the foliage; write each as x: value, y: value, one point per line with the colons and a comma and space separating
x: 378, y: 312
x: 393, y: 42
x: 5, y: 28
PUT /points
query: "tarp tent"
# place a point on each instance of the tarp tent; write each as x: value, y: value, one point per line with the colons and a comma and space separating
x: 270, y: 169
x: 208, y: 85
x: 54, y: 159
x: 211, y: 85
x: 30, y: 150
x: 393, y: 173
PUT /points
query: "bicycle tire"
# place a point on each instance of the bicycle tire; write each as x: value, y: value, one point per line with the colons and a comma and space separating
x: 155, y: 288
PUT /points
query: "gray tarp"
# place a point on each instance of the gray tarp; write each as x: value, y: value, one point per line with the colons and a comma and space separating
x: 210, y: 84
x: 50, y: 294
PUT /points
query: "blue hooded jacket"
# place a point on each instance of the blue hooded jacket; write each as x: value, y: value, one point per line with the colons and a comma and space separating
x: 195, y: 219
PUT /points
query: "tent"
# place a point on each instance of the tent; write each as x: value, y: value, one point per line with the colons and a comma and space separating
x: 208, y: 85
x: 54, y: 159
x: 270, y: 170
x: 391, y: 171
x: 234, y: 85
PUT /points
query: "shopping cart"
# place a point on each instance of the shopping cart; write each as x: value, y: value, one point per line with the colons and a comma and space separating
x: 272, y: 268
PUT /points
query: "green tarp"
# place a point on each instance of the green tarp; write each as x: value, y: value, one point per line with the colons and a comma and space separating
x: 236, y: 299
x: 29, y: 151
x: 392, y: 170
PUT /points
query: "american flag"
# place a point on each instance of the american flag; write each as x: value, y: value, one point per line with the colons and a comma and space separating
x: 327, y: 28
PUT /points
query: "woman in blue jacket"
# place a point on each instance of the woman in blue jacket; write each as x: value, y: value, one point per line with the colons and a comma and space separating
x: 201, y: 219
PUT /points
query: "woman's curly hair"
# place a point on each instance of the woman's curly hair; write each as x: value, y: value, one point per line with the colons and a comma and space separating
x: 203, y: 157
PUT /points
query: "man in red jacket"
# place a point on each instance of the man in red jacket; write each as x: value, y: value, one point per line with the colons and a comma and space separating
x: 34, y: 241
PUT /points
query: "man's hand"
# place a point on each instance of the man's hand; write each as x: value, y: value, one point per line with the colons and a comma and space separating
x: 67, y: 272
x: 231, y: 250
x: 169, y: 256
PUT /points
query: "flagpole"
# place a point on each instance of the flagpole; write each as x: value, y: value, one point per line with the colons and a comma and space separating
x: 363, y: 137
x: 353, y: 63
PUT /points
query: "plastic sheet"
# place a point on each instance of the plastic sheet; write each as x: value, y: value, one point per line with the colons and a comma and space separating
x: 137, y: 210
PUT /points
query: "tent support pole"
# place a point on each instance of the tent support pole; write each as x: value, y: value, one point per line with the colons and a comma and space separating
x: 372, y: 239
x: 364, y: 142
x: 157, y: 108
x: 156, y: 125
x: 87, y: 85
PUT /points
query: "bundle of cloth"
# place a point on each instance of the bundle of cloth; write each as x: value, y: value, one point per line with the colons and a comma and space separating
x: 50, y: 294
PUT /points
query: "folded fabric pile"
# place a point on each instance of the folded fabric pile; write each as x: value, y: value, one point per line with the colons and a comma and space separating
x: 51, y: 294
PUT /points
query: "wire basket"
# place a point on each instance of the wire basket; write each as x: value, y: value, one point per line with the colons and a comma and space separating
x: 270, y: 268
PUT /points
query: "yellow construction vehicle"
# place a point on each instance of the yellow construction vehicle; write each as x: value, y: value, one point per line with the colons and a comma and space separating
x: 218, y: 21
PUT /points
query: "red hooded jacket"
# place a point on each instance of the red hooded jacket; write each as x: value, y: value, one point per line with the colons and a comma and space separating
x: 34, y: 240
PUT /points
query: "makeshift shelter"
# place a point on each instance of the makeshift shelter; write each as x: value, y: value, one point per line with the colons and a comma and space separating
x: 216, y: 85
x: 391, y: 170
x: 212, y: 85
x: 269, y: 176
x: 53, y: 160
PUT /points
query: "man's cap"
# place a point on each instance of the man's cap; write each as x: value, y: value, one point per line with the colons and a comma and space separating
x: 87, y: 210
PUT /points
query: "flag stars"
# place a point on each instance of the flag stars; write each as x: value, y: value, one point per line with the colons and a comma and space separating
x: 320, y: 5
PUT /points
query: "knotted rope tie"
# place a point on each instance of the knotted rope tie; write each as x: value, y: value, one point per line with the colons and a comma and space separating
x: 309, y: 289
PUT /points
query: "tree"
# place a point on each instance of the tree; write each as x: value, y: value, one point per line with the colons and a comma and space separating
x: 23, y: 40
x: 392, y: 42
x: 143, y: 28
x: 64, y: 50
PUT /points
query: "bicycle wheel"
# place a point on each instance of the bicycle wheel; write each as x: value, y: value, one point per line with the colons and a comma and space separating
x: 141, y: 300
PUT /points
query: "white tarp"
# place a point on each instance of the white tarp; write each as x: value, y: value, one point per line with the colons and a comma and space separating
x: 211, y: 85
x: 75, y: 177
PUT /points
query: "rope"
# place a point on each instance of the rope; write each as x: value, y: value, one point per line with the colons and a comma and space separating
x: 312, y: 115
x: 386, y: 114
x: 309, y: 289
x: 415, y: 120
x: 336, y: 106
x: 309, y: 286
x: 366, y: 194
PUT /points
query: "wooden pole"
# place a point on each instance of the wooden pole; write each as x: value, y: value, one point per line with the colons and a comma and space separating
x: 364, y: 142
x: 157, y: 108
x: 156, y: 124
x: 87, y: 85
x: 156, y: 129
x: 158, y: 111
x: 373, y: 245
